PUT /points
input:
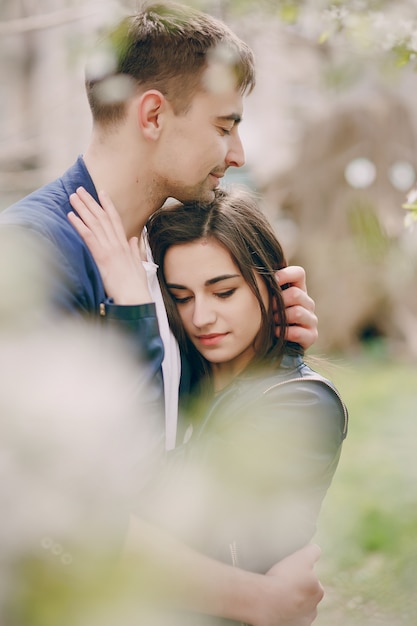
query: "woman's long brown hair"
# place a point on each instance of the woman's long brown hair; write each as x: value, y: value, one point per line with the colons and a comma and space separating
x: 235, y: 221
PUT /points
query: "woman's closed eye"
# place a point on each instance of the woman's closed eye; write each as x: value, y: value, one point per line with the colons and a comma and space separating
x: 180, y: 299
x: 225, y: 294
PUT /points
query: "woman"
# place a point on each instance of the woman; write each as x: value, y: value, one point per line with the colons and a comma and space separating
x: 262, y: 432
x: 267, y: 429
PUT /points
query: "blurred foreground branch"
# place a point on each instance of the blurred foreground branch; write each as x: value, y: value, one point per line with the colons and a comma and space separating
x: 49, y: 20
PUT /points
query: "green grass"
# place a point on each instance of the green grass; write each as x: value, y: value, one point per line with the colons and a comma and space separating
x: 368, y: 524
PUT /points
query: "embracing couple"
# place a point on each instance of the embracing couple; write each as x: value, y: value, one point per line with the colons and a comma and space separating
x: 197, y: 286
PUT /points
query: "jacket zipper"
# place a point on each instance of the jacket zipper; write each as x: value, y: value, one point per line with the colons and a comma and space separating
x: 235, y: 563
x: 233, y: 553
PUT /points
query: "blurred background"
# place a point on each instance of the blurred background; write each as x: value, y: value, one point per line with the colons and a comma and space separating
x: 330, y: 136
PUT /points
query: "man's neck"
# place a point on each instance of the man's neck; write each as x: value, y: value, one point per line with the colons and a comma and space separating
x: 129, y: 186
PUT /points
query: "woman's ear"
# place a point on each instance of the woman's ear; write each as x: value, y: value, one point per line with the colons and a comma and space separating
x: 150, y: 109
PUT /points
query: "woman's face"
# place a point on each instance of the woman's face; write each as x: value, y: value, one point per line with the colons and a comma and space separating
x: 220, y: 313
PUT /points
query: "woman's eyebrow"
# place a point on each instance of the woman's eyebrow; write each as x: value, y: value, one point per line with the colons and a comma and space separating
x: 217, y: 279
x: 174, y: 286
x: 210, y: 281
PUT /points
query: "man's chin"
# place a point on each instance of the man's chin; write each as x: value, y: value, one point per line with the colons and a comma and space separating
x: 202, y: 195
x: 207, y: 194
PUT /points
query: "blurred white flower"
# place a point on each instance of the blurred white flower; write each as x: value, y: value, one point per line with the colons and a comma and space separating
x: 75, y: 448
x: 71, y: 435
x: 411, y: 207
x: 102, y: 63
x: 220, y: 76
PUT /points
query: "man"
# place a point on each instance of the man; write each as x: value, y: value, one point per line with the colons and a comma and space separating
x: 166, y: 113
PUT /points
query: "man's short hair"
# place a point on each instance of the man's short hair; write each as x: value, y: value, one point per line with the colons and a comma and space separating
x: 167, y: 47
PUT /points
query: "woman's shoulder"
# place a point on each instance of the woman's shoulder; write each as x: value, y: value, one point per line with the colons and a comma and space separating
x: 295, y: 373
x: 292, y: 384
x: 289, y: 371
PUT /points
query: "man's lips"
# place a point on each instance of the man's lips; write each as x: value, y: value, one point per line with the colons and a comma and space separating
x: 217, y: 175
x: 212, y: 339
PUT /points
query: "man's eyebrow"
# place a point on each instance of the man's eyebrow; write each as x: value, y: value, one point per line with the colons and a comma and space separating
x: 210, y: 281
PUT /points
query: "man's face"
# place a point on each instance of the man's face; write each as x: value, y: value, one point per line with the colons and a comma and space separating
x: 197, y: 147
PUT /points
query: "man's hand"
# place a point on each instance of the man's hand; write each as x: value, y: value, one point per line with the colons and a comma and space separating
x: 302, y: 321
x: 294, y: 591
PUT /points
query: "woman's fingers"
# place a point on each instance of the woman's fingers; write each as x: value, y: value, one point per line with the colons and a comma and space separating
x: 86, y: 207
x: 117, y: 259
x: 102, y: 220
x: 86, y: 234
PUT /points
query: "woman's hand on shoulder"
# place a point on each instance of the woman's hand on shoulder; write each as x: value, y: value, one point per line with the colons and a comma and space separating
x: 118, y: 259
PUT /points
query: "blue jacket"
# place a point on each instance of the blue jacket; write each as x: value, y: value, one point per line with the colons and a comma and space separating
x: 77, y: 286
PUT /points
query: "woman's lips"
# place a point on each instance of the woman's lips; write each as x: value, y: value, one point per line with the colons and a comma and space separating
x: 212, y: 339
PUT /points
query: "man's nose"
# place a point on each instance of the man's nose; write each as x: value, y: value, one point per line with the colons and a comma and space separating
x: 236, y: 154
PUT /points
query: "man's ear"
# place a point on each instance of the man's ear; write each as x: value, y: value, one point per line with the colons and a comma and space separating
x: 150, y: 109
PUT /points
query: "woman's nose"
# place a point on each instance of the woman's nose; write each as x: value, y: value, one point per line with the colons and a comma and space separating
x: 203, y: 314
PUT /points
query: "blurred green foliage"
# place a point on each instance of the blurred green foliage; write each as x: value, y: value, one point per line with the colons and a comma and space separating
x: 411, y: 207
x: 368, y: 525
x: 369, y: 236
